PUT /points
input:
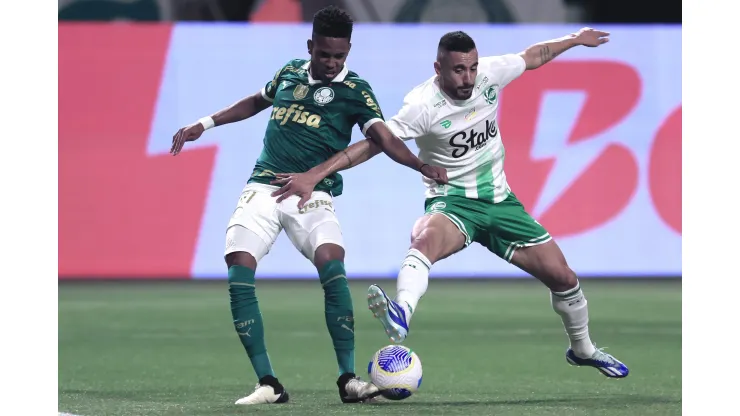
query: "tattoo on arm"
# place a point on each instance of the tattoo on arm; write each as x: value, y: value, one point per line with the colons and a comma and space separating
x: 545, y: 54
x: 349, y: 159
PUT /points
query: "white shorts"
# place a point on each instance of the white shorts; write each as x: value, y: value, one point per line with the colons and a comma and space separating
x: 258, y: 219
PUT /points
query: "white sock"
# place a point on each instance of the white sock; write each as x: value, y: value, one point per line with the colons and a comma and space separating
x: 413, y: 280
x: 572, y: 307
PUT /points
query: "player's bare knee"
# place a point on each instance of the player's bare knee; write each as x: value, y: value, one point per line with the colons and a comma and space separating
x: 419, y: 226
x: 562, y: 278
x: 241, y: 258
x: 424, y: 245
x: 326, y: 253
x: 433, y: 243
x: 437, y: 238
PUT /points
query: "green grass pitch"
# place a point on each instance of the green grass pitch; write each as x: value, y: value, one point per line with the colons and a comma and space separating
x: 487, y: 348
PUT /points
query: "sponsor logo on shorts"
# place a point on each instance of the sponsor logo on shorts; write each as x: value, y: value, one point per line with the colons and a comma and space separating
x: 315, y: 205
x: 438, y: 206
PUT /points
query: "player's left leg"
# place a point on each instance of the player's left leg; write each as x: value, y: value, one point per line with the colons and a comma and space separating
x: 314, y: 230
x: 253, y: 228
x: 521, y: 240
x: 547, y: 263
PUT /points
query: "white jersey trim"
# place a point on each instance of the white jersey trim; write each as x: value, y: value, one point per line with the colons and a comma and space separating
x: 370, y: 123
x: 264, y: 94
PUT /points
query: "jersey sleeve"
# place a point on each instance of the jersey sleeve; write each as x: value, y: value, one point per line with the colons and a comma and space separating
x: 269, y: 90
x: 503, y: 69
x: 410, y: 121
x: 364, y: 106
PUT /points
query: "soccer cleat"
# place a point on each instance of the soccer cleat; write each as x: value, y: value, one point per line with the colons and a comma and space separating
x: 354, y: 390
x: 606, y: 363
x: 389, y: 313
x: 268, y: 391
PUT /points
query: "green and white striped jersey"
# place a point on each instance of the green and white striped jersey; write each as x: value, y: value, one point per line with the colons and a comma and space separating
x: 461, y: 136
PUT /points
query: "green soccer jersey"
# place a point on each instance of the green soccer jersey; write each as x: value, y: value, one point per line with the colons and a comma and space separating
x: 311, y: 121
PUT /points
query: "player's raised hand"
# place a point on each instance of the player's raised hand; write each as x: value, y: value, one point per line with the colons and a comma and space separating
x: 301, y: 184
x: 186, y: 134
x: 435, y: 173
x: 591, y: 37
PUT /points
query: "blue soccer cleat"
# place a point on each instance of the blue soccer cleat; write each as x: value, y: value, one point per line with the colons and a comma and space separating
x: 389, y: 313
x: 606, y: 363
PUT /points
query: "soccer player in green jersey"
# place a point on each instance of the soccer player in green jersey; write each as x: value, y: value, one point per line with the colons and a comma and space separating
x: 453, y: 117
x: 315, y: 104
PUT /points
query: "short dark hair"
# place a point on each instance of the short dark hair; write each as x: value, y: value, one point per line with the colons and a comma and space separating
x: 332, y: 22
x: 456, y: 42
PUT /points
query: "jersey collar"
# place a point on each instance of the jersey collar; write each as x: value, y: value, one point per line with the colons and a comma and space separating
x: 339, y: 78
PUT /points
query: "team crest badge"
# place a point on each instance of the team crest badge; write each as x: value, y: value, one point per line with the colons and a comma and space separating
x: 490, y: 94
x: 323, y: 95
x: 300, y: 91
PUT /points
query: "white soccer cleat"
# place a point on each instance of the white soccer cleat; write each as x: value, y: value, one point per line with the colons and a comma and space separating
x: 354, y: 390
x: 265, y: 393
x: 390, y: 314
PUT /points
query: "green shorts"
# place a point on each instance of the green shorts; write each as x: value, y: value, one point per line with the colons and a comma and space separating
x: 502, y: 227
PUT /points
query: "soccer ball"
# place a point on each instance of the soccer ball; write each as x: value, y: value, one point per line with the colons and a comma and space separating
x: 396, y: 370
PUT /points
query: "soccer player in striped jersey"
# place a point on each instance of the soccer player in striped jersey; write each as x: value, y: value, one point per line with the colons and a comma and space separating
x: 453, y: 119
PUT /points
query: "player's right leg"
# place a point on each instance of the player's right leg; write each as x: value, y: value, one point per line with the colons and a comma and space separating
x: 252, y: 230
x: 435, y: 236
x: 316, y: 233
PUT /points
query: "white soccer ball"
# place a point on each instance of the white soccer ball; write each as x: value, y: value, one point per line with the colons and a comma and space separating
x: 396, y: 370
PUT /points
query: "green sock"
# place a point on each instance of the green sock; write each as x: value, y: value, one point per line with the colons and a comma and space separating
x: 339, y: 314
x: 248, y: 319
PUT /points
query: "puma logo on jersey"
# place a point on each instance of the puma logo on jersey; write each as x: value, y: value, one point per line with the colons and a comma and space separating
x: 464, y: 141
x: 295, y: 114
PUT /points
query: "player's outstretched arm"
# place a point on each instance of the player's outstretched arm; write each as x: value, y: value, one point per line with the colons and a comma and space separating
x: 381, y: 135
x: 350, y: 157
x: 380, y: 138
x: 541, y: 53
x: 240, y: 110
x: 302, y: 184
